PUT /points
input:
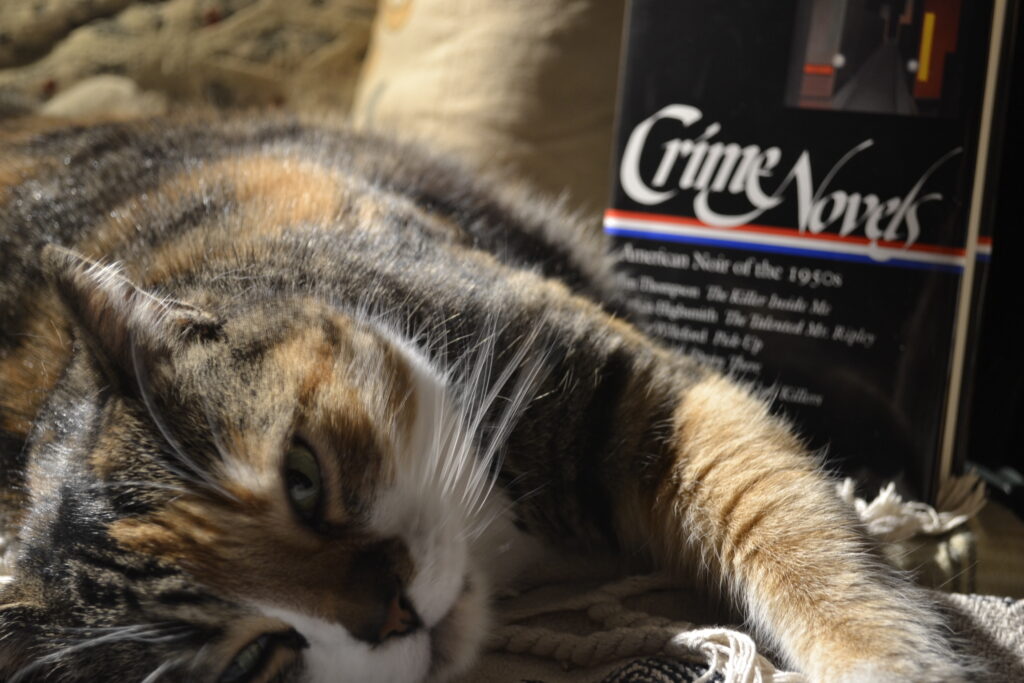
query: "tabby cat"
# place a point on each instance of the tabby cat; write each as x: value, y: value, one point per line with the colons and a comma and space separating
x: 280, y: 402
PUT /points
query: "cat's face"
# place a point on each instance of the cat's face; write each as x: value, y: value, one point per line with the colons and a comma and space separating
x: 274, y: 494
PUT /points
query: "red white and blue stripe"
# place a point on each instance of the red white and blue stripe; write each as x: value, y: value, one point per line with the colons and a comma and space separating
x: 652, y: 226
x: 984, y: 252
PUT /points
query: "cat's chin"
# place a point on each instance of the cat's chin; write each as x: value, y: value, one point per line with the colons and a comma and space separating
x: 456, y: 640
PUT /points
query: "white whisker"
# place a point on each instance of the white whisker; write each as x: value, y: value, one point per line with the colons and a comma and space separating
x: 215, y: 433
x: 159, y: 671
x: 149, y: 634
x: 204, y: 477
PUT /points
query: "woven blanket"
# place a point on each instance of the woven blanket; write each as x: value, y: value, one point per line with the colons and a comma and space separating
x: 637, y: 629
x: 583, y: 620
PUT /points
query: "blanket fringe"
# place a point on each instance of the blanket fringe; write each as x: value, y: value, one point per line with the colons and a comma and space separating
x: 731, y: 654
x: 891, y: 519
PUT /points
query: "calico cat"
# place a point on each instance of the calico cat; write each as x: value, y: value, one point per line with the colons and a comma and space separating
x: 280, y: 402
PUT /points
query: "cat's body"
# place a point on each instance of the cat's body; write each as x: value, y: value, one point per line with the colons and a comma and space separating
x: 332, y: 392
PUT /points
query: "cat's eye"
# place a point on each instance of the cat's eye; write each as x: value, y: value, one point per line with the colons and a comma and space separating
x: 269, y: 651
x: 248, y: 662
x: 303, y: 481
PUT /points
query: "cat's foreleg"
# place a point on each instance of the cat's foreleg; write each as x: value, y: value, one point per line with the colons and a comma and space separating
x: 743, y: 497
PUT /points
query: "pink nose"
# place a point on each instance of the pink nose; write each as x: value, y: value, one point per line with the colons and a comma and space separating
x: 401, y: 618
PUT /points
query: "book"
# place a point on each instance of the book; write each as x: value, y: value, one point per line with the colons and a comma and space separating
x: 797, y: 202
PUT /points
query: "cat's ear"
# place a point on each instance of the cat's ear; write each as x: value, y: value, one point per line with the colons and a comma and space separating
x: 118, y: 318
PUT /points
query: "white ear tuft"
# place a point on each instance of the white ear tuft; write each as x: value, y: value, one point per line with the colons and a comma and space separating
x: 117, y: 316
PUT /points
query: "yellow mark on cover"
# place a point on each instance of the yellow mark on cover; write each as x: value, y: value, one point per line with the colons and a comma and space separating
x: 924, y: 59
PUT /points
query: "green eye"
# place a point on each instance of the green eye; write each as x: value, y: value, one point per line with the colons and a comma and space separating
x: 247, y: 662
x: 303, y: 481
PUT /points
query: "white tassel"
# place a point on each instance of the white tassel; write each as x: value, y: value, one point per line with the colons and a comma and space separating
x: 890, y: 518
x: 731, y: 654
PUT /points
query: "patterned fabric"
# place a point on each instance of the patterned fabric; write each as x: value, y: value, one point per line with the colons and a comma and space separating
x: 658, y: 670
x: 992, y: 629
x: 295, y: 53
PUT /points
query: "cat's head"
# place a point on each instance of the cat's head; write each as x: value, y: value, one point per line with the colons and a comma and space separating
x: 227, y: 492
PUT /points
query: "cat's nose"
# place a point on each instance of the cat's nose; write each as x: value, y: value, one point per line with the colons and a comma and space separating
x: 401, y: 618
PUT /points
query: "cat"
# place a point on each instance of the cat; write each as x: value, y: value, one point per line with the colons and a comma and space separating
x: 283, y: 402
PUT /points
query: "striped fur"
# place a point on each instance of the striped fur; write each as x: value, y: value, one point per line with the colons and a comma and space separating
x: 183, y: 298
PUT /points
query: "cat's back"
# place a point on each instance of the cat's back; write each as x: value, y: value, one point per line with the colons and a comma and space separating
x: 179, y: 200
x: 121, y: 190
x: 190, y: 204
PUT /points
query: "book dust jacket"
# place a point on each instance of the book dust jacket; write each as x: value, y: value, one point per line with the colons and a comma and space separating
x: 792, y: 198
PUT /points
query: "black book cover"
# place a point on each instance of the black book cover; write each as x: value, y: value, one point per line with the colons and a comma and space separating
x: 791, y: 198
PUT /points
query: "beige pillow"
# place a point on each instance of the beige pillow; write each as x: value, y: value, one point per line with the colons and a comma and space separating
x: 524, y: 87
